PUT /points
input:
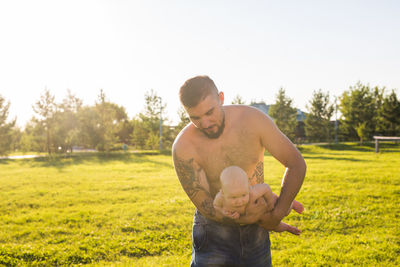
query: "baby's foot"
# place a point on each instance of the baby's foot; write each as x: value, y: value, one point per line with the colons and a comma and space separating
x: 282, y: 227
x: 297, y: 206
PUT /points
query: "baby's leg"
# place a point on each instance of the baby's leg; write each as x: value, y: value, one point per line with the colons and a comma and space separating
x: 296, y: 206
x: 282, y: 227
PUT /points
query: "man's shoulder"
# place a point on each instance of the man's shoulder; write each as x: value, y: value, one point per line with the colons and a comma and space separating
x: 245, y: 111
x: 248, y: 116
x: 183, y: 143
x: 241, y: 108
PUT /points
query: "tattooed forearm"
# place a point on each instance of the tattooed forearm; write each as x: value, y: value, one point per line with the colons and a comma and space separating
x: 208, y: 207
x: 188, y: 176
x: 258, y: 174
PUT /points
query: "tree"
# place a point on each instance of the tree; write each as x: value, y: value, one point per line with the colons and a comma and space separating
x: 46, y: 108
x: 6, y: 128
x: 358, y: 107
x: 153, y: 109
x: 318, y: 126
x: 89, y: 123
x: 124, y: 131
x: 34, y: 137
x: 238, y: 100
x: 110, y: 116
x: 361, y: 129
x: 139, y: 133
x: 284, y: 114
x: 183, y: 119
x: 16, y: 138
x: 390, y: 115
x: 102, y: 125
x: 147, y: 125
x: 67, y: 123
x: 378, y: 95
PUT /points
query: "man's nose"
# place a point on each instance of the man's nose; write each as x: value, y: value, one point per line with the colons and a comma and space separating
x: 205, y: 123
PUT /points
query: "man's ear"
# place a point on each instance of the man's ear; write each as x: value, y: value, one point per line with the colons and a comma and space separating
x: 221, y: 97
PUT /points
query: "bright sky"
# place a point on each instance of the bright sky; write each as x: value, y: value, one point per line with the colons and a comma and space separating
x: 250, y: 48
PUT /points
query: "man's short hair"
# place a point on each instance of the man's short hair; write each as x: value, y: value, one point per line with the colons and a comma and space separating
x: 194, y: 90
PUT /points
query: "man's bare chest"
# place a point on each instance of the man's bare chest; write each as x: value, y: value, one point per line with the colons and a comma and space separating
x: 241, y: 148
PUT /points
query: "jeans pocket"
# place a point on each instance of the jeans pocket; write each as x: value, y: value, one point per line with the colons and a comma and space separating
x: 199, y: 236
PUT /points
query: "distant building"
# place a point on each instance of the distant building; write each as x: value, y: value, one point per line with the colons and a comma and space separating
x: 301, y: 116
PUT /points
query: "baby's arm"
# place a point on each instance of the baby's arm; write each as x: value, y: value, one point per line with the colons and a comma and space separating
x: 263, y: 190
x: 218, y: 202
x: 219, y: 206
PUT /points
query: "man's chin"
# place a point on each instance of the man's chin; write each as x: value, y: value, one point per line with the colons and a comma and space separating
x: 213, y: 135
x: 220, y: 129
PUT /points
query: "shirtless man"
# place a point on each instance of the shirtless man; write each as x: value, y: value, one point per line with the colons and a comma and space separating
x: 217, y: 137
x: 236, y: 194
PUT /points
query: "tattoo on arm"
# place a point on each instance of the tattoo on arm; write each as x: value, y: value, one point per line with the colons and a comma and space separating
x: 259, y: 173
x: 188, y: 176
x: 208, y: 207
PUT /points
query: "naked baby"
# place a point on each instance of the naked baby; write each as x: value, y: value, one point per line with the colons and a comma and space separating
x: 236, y: 193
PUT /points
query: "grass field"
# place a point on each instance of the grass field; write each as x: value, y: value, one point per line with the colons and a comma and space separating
x: 129, y: 209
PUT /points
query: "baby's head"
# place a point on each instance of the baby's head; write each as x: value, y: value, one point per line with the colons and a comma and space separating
x: 235, y: 186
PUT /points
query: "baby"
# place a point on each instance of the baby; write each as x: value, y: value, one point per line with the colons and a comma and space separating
x: 236, y: 193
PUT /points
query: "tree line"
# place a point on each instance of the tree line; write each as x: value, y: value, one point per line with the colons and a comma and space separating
x: 364, y: 111
x: 105, y: 126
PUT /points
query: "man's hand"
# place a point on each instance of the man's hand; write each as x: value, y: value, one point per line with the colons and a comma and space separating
x: 271, y: 221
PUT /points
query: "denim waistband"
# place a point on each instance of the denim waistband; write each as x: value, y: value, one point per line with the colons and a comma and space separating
x: 201, y: 219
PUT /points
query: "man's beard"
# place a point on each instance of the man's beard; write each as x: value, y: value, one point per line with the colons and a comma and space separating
x: 218, y: 132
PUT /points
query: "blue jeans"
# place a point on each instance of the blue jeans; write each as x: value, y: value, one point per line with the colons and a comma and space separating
x: 216, y: 244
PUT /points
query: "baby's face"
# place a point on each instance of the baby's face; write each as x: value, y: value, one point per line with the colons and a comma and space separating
x: 236, y: 196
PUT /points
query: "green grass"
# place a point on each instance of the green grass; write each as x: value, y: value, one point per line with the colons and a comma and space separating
x: 129, y: 209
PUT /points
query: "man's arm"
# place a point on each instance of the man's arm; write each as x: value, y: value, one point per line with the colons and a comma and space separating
x: 194, y: 181
x: 286, y: 153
